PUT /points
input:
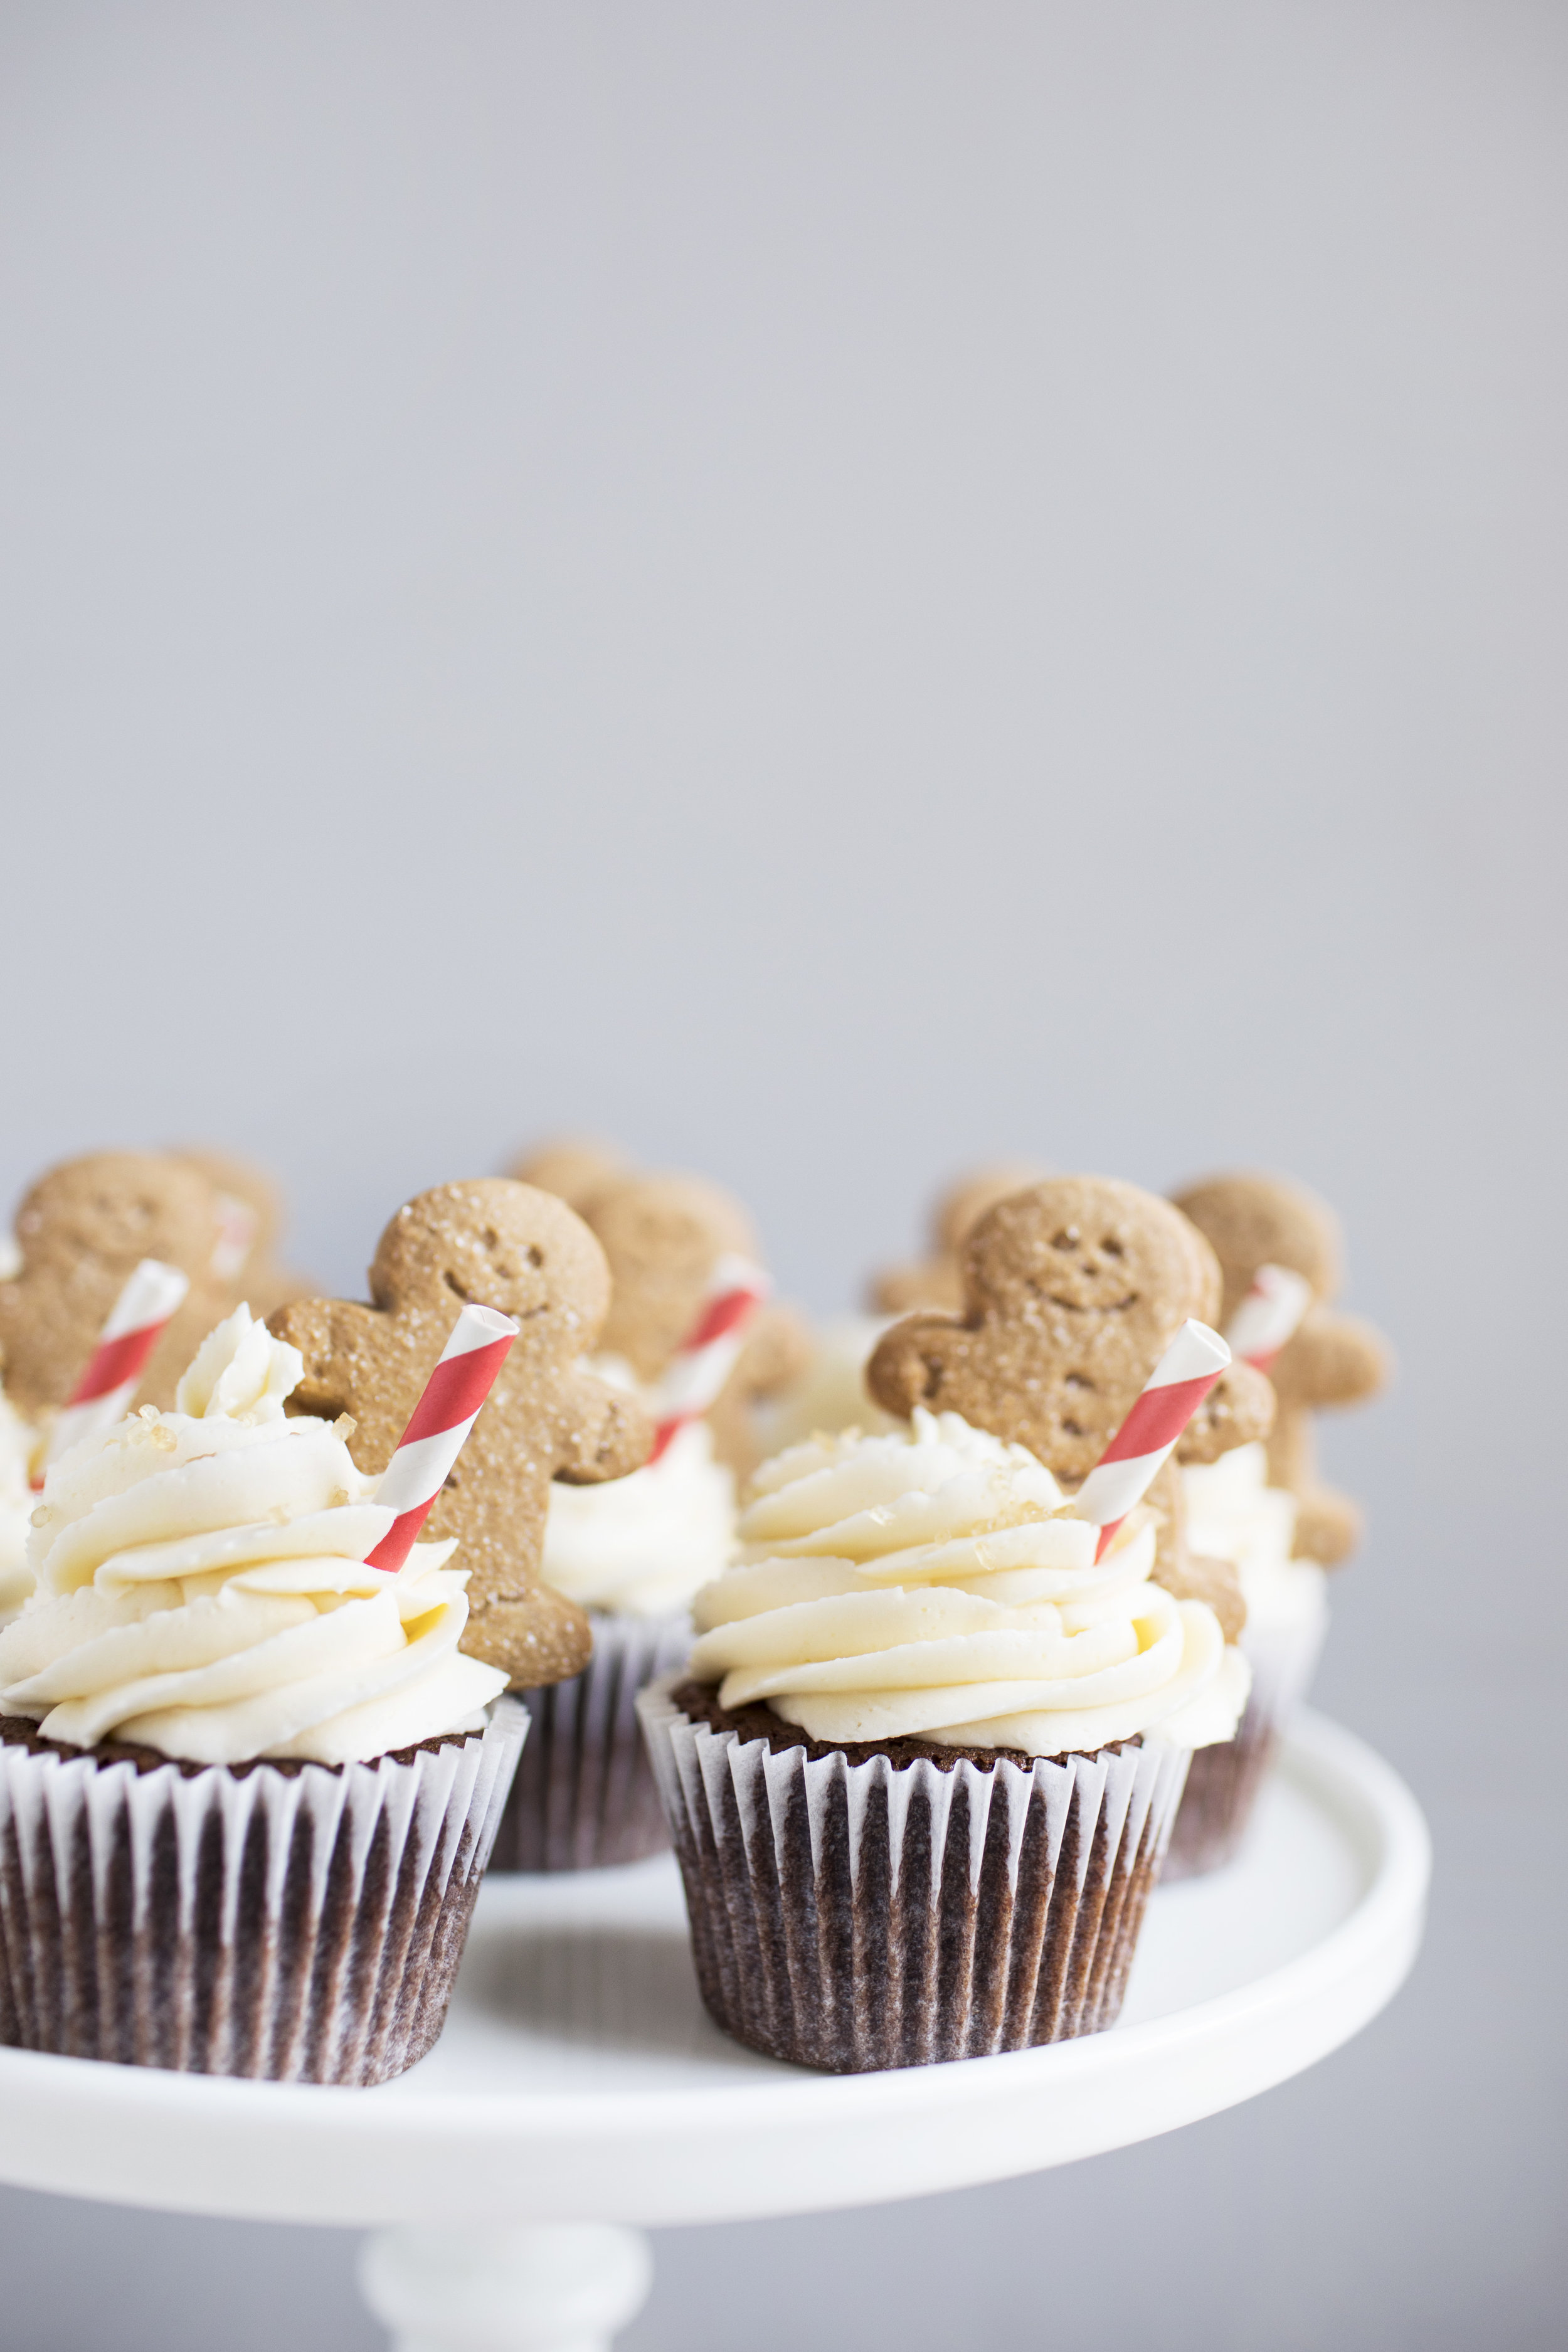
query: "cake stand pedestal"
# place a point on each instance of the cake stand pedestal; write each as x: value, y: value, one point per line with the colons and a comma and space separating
x: 580, y: 2090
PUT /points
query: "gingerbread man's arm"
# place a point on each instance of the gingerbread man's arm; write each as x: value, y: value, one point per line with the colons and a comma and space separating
x: 329, y: 1334
x: 1218, y: 1581
x: 899, y: 1376
x: 606, y: 1433
x: 1237, y: 1409
x: 1333, y: 1360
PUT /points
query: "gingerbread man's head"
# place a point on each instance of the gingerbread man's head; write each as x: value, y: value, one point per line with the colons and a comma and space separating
x: 1073, y: 1291
x: 664, y: 1236
x: 1253, y: 1220
x: 81, y: 1231
x: 489, y: 1243
x: 937, y: 1280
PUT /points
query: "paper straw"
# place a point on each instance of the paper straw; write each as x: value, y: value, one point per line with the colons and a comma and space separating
x: 706, y: 1357
x: 1269, y: 1315
x: 137, y: 1321
x: 463, y: 1378
x: 1170, y: 1395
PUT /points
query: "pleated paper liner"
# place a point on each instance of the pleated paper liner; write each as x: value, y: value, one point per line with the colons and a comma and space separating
x: 298, y: 1922
x: 585, y: 1795
x: 1224, y: 1783
x: 852, y: 1916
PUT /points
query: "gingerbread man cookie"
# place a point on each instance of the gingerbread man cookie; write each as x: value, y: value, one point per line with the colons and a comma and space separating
x: 663, y: 1236
x: 1332, y: 1359
x: 936, y: 1281
x: 1073, y: 1291
x: 491, y: 1243
x: 81, y: 1231
x: 251, y: 1211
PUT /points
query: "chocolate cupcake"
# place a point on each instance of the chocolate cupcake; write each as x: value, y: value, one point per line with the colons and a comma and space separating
x: 248, y: 1783
x: 632, y: 1555
x: 1264, y: 1508
x: 679, y: 1250
x: 1235, y: 1515
x: 922, y: 1770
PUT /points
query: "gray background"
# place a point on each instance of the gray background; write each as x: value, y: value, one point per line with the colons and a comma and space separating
x: 831, y: 590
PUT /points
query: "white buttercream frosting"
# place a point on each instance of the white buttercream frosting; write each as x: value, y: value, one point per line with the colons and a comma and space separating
x: 644, y: 1543
x: 933, y: 1582
x: 201, y: 1586
x: 19, y: 1444
x: 1233, y: 1513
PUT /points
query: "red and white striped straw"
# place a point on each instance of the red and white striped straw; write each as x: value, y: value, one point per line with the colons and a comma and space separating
x: 706, y: 1357
x: 137, y: 1321
x: 463, y: 1378
x: 1170, y: 1395
x: 1269, y: 1315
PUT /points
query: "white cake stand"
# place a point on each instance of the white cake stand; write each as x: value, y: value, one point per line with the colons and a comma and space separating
x: 579, y: 2086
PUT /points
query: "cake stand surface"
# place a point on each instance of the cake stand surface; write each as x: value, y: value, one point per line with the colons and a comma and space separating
x: 580, y: 2084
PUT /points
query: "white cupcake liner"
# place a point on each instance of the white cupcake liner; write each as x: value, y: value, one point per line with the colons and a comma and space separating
x: 858, y: 1915
x: 1223, y: 1785
x: 298, y: 1922
x: 585, y: 1795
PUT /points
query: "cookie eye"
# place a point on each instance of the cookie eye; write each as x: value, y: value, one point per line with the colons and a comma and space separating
x: 1067, y: 1239
x: 492, y: 1238
x: 1076, y: 1382
x: 1111, y: 1246
x: 535, y: 1255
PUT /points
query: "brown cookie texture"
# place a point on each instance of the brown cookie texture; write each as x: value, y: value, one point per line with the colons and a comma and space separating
x: 1237, y: 1410
x: 573, y: 1167
x: 81, y: 1231
x: 1253, y: 1220
x: 1199, y: 1578
x: 937, y: 1280
x: 491, y: 1243
x: 663, y: 1236
x: 1073, y: 1289
x: 251, y: 1207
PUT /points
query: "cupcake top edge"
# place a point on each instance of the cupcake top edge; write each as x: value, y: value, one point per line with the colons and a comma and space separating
x: 203, y: 1585
x: 933, y: 1580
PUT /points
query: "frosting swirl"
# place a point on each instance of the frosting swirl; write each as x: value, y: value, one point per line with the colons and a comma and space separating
x: 933, y: 1582
x: 201, y: 1586
x: 644, y: 1543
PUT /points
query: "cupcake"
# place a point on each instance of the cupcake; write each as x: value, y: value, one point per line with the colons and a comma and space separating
x: 634, y: 1554
x: 1264, y: 1507
x: 923, y: 1763
x: 1235, y: 1515
x: 248, y: 1782
x: 922, y: 1771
